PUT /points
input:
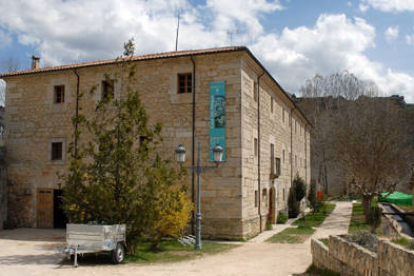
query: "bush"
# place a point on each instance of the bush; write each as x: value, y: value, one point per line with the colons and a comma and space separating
x: 281, y: 218
x: 269, y: 225
x: 293, y: 204
x: 374, y: 219
x: 313, y: 202
x: 300, y: 187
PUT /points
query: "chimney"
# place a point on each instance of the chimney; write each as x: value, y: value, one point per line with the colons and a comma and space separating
x: 35, y: 62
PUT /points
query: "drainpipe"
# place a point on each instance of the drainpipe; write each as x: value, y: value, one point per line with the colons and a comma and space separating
x: 193, y: 146
x: 291, y: 145
x: 77, y: 112
x: 258, y: 151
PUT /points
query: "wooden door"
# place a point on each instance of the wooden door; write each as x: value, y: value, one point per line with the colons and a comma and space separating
x: 271, y: 216
x: 45, y: 208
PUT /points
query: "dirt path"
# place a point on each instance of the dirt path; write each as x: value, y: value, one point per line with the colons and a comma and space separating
x: 255, y: 257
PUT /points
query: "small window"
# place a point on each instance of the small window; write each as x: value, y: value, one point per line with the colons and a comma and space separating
x: 271, y: 104
x: 278, y: 166
x: 264, y: 193
x: 59, y: 94
x: 185, y: 82
x: 255, y: 198
x: 284, y: 194
x: 255, y: 88
x: 255, y: 147
x: 296, y: 161
x: 56, y: 151
x: 108, y: 89
x: 283, y: 156
x: 283, y: 114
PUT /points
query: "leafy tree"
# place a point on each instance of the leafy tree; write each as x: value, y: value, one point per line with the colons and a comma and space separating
x: 117, y: 175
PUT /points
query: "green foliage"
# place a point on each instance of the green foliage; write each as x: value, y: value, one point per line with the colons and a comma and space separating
x: 300, y: 187
x: 409, y: 244
x: 313, y: 201
x: 269, y: 225
x: 281, y: 218
x: 325, y: 241
x: 315, y: 219
x: 375, y: 218
x: 293, y: 204
x: 116, y: 174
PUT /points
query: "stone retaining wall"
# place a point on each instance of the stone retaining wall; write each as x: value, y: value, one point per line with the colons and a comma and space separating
x: 349, y: 258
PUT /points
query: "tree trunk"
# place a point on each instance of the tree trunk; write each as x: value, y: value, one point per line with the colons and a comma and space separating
x: 366, y: 204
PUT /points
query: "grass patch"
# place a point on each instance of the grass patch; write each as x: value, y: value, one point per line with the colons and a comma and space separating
x: 292, y: 235
x: 313, y: 270
x: 170, y: 251
x: 173, y: 251
x: 358, y: 219
x: 404, y: 242
x: 325, y: 242
x: 316, y: 219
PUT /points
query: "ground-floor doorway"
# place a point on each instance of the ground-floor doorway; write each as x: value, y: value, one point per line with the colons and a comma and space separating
x: 49, y: 209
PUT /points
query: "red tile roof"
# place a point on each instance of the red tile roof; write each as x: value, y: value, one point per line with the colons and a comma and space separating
x: 135, y: 58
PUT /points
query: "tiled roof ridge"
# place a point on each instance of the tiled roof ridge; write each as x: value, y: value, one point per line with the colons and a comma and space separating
x: 134, y: 58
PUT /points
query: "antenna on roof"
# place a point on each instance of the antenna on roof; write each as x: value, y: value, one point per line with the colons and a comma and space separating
x: 178, y: 27
x: 231, y: 33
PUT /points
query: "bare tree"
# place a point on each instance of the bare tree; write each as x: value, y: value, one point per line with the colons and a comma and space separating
x: 9, y: 64
x: 360, y: 136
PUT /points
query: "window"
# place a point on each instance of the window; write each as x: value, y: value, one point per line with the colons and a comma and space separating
x: 255, y: 146
x: 264, y: 193
x: 283, y: 114
x: 59, y: 94
x: 108, y: 88
x: 284, y: 194
x: 278, y: 166
x: 271, y: 104
x: 296, y: 126
x: 272, y: 159
x: 255, y: 91
x: 283, y: 156
x: 56, y: 151
x: 255, y: 198
x: 296, y: 161
x: 185, y: 82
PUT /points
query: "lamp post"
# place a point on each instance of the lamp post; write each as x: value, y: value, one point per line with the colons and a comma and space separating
x: 180, y: 158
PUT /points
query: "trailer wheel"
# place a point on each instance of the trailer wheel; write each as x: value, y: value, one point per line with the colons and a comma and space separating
x: 118, y: 253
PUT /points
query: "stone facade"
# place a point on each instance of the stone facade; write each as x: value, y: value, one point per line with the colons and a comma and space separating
x: 349, y: 258
x: 229, y: 207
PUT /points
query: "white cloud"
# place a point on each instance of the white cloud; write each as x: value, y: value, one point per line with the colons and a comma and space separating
x: 391, y: 5
x: 391, y: 34
x: 349, y: 4
x: 363, y: 8
x: 96, y: 29
x: 409, y: 39
x: 5, y: 39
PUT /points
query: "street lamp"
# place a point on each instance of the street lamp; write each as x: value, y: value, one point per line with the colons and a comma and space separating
x: 180, y: 158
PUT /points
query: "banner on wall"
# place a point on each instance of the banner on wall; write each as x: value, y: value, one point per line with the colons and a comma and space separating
x: 217, y: 117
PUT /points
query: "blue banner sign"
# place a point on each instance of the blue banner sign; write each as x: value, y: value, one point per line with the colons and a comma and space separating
x: 217, y: 117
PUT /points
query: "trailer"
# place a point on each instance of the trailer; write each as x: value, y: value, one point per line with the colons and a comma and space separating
x: 96, y: 238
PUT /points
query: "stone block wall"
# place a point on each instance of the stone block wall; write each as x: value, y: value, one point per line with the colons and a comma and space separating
x: 349, y: 258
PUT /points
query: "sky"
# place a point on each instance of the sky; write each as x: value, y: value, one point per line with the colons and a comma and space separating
x: 294, y: 39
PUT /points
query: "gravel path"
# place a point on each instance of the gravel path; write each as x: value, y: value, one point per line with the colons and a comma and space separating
x: 255, y: 257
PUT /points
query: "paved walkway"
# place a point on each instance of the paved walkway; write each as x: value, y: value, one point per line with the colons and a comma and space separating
x: 255, y: 257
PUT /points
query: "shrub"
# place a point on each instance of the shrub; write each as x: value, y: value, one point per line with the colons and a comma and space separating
x: 293, y: 204
x: 269, y: 225
x: 313, y: 202
x: 281, y: 218
x: 300, y: 187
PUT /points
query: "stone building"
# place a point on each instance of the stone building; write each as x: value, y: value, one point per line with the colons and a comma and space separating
x: 265, y: 136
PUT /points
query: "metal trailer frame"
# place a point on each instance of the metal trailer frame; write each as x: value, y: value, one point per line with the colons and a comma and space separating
x: 95, y: 238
